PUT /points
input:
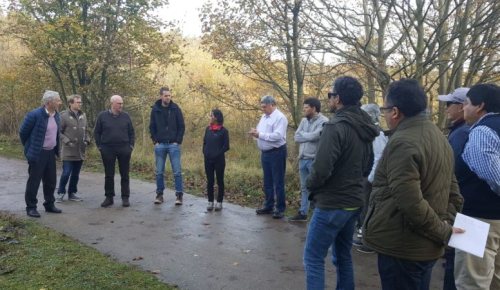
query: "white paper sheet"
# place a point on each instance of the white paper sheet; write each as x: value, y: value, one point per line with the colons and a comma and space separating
x: 473, y: 241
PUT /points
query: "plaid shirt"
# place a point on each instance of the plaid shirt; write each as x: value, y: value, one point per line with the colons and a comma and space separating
x: 482, y: 154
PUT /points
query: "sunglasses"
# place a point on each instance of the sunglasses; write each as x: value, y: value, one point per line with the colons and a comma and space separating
x: 452, y: 103
x: 332, y: 95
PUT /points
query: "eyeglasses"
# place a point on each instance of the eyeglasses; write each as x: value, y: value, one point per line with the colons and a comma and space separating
x: 383, y: 109
x: 332, y: 95
x: 452, y: 103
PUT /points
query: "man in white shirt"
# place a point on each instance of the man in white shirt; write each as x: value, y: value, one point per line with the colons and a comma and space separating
x: 271, y: 140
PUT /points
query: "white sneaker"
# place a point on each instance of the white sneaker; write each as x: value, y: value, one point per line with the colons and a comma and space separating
x: 210, y: 206
x: 60, y: 197
x: 218, y: 206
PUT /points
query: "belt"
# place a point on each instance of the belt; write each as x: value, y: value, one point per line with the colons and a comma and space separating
x: 274, y: 149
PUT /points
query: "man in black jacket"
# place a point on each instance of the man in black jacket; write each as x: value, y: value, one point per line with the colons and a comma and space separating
x: 344, y: 157
x: 167, y: 130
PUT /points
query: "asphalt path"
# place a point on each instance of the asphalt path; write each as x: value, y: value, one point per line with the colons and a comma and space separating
x: 185, y: 245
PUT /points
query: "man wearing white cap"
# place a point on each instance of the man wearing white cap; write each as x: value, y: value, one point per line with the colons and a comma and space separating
x: 459, y: 132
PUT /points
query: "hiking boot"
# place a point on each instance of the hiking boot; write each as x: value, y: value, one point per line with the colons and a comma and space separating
x: 365, y: 250
x: 178, y: 200
x: 299, y: 217
x: 52, y: 209
x: 159, y: 199
x: 210, y: 206
x: 108, y: 201
x: 60, y: 197
x: 74, y: 197
x: 278, y: 215
x: 218, y: 206
x: 125, y: 202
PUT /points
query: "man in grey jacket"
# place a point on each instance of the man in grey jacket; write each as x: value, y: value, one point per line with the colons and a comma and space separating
x: 74, y: 140
x: 307, y: 135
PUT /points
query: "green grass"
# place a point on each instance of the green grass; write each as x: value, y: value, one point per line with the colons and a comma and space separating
x: 36, y: 257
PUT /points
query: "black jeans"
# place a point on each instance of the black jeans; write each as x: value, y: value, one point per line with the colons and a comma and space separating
x: 109, y: 156
x: 42, y: 170
x: 402, y: 274
x: 217, y: 166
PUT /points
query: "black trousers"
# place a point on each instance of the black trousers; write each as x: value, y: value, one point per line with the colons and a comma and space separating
x: 109, y: 155
x: 367, y: 188
x: 217, y: 166
x: 43, y: 170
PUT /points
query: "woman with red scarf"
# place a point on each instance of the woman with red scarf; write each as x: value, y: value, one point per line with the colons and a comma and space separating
x: 215, y: 144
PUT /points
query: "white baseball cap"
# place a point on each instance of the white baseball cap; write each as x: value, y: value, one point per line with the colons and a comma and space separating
x: 457, y: 96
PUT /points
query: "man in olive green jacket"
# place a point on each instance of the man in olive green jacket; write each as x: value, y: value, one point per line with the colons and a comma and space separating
x: 74, y: 140
x: 415, y: 194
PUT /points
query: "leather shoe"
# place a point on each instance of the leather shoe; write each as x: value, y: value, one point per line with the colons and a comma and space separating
x: 52, y: 209
x: 108, y: 201
x: 32, y: 212
x: 264, y: 211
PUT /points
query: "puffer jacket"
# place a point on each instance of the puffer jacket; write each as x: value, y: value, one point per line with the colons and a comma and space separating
x: 32, y: 133
x: 74, y: 135
x: 415, y: 195
x: 344, y: 157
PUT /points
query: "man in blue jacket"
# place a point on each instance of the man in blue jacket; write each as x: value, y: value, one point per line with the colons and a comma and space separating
x: 167, y: 131
x: 39, y: 135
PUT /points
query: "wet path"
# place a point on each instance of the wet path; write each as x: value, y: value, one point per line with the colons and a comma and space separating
x: 186, y: 246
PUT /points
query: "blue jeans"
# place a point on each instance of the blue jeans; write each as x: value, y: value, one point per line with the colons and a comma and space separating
x: 330, y: 228
x: 174, y: 153
x: 402, y: 274
x: 71, y: 172
x: 305, y: 166
x: 274, y: 167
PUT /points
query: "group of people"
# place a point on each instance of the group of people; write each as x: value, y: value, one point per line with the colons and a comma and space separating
x: 45, y: 133
x: 403, y: 187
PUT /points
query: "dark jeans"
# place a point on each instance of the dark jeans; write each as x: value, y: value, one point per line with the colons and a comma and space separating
x: 274, y: 167
x: 402, y: 274
x: 449, y: 267
x: 71, y: 172
x: 42, y: 170
x: 216, y: 166
x: 109, y: 156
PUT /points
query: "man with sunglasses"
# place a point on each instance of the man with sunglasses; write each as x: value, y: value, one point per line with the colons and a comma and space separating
x: 344, y: 157
x: 458, y: 134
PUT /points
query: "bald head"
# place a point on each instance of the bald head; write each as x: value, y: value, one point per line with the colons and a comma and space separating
x: 116, y: 104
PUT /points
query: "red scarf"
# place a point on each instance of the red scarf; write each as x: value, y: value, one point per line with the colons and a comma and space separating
x: 215, y: 127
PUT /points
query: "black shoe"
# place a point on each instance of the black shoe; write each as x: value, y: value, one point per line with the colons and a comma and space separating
x: 298, y: 218
x: 278, y: 215
x: 264, y: 211
x: 32, y: 212
x: 365, y: 250
x: 125, y: 202
x: 107, y: 202
x: 178, y: 200
x: 52, y: 209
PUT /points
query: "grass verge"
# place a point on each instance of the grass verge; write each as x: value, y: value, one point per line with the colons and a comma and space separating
x: 36, y: 257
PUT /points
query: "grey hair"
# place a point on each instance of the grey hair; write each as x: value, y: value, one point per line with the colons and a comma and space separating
x: 268, y: 100
x: 114, y: 97
x: 71, y: 98
x: 373, y: 111
x: 49, y: 96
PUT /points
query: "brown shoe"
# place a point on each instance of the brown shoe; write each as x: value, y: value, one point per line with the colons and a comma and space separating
x: 159, y: 199
x: 125, y: 202
x: 107, y: 202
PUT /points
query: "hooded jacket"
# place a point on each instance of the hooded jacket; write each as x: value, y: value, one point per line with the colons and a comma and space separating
x: 413, y: 194
x: 166, y: 124
x: 344, y: 157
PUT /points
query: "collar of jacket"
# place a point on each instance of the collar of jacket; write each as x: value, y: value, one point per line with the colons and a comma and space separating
x: 411, y: 121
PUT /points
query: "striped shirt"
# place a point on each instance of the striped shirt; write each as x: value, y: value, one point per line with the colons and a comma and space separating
x: 482, y: 154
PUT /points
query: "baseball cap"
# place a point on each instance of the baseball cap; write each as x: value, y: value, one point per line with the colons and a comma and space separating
x: 457, y: 96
